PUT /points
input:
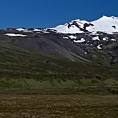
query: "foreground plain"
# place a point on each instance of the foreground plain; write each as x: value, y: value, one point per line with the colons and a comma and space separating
x: 58, y: 106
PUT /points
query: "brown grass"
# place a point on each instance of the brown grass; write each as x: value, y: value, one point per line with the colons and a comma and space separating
x: 58, y: 106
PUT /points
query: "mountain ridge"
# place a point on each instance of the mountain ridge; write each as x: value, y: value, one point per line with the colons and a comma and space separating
x: 81, y: 26
x: 93, y: 46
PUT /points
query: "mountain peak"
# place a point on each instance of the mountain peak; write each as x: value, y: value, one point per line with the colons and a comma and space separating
x: 104, y: 24
x: 108, y: 17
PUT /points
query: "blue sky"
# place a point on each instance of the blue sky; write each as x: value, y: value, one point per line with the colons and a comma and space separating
x: 50, y: 13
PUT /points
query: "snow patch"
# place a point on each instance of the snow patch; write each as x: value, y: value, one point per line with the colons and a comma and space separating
x: 20, y: 29
x: 23, y: 30
x: 45, y: 32
x: 113, y: 39
x: 79, y: 41
x: 65, y: 37
x: 96, y: 38
x: 99, y: 47
x: 37, y: 30
x: 105, y: 39
x: 73, y: 37
x: 11, y: 34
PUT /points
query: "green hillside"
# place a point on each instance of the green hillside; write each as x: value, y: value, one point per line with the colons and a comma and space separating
x: 24, y: 69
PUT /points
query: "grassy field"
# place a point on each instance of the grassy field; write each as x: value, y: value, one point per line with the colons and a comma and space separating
x: 58, y: 106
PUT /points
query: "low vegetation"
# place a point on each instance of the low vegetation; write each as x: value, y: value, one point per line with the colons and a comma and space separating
x: 58, y: 106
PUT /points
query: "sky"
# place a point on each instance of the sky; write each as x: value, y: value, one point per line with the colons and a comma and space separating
x: 50, y: 13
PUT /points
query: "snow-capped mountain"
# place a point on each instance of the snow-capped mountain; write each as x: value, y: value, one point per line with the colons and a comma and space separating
x: 92, y: 41
x: 104, y: 24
